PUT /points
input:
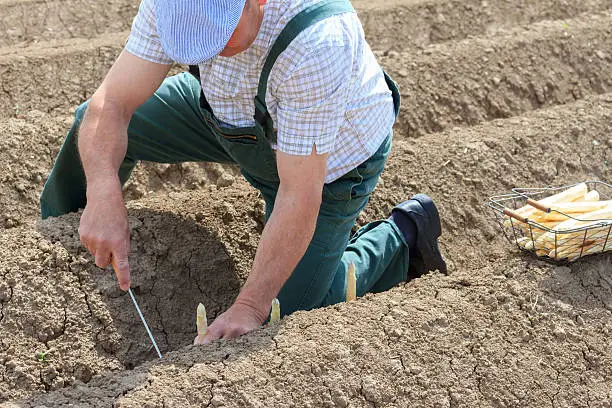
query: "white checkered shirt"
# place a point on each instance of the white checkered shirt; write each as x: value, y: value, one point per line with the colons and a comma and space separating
x: 325, y: 90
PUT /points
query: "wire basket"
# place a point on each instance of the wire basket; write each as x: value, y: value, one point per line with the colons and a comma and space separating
x: 561, y: 224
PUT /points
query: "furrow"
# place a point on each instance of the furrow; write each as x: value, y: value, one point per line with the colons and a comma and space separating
x: 389, y: 25
x: 25, y: 22
x: 505, y: 75
x: 397, y: 25
x: 443, y: 85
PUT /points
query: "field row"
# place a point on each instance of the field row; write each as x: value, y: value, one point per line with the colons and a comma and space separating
x: 392, y: 24
x: 443, y: 85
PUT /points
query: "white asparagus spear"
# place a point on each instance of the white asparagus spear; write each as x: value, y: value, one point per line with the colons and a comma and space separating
x: 532, y: 232
x: 575, y: 193
x: 592, y: 232
x: 575, y: 240
x: 529, y: 245
x: 351, y: 283
x: 578, y: 242
x: 575, y: 209
x: 591, y: 235
x: 602, y: 214
x: 565, y: 251
x: 591, y: 250
x: 592, y: 195
x: 552, y: 217
x: 275, y: 311
x: 523, y: 242
x: 573, y: 252
x: 548, y: 224
x: 535, y: 232
x: 580, y: 206
x: 201, y: 322
x: 571, y: 194
x: 595, y: 216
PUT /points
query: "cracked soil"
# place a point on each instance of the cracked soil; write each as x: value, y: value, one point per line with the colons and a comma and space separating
x: 495, y: 95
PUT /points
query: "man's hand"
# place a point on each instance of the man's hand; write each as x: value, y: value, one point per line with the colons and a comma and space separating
x: 104, y: 229
x: 289, y: 230
x: 236, y: 321
x: 283, y: 243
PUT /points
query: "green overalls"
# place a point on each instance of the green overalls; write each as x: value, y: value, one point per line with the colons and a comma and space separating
x: 177, y: 125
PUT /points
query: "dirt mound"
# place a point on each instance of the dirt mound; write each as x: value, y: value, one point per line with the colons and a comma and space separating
x: 527, y: 62
x: 530, y: 335
x: 24, y: 22
x: 502, y: 75
x: 31, y: 145
x: 395, y: 24
x: 404, y: 22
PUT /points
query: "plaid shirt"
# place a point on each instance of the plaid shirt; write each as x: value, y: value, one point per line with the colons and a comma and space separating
x: 325, y: 90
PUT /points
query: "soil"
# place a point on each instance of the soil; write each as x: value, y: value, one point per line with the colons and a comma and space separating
x: 495, y: 95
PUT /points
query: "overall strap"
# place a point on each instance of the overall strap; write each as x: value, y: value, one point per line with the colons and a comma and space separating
x: 304, y: 19
x: 195, y: 71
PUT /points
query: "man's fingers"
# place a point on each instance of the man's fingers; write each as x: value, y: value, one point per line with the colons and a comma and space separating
x: 120, y: 262
x: 102, y: 257
x: 212, y: 334
x: 201, y: 340
x: 85, y: 243
x: 121, y: 266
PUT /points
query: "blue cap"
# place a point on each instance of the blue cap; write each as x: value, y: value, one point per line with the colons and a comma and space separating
x: 193, y: 31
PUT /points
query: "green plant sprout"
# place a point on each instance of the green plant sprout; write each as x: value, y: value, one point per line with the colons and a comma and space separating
x: 43, y: 356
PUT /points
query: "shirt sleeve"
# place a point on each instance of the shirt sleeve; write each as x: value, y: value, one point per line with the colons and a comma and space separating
x: 312, y: 100
x: 143, y: 41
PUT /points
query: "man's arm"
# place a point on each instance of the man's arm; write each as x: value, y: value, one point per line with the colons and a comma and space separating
x: 284, y: 241
x: 102, y: 146
x: 312, y: 93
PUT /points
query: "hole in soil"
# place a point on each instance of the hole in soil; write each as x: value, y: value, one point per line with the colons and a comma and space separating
x: 175, y: 264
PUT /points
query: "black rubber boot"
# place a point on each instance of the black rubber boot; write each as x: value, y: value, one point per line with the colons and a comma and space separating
x: 425, y: 256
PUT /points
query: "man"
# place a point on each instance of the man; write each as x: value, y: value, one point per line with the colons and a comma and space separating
x: 291, y: 92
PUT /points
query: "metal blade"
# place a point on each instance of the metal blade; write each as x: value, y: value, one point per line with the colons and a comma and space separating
x: 145, y: 323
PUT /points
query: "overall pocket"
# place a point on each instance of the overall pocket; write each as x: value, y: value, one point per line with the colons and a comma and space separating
x: 251, y: 151
x: 247, y: 146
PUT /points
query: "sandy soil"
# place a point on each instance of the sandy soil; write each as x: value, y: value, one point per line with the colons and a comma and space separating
x: 495, y: 95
